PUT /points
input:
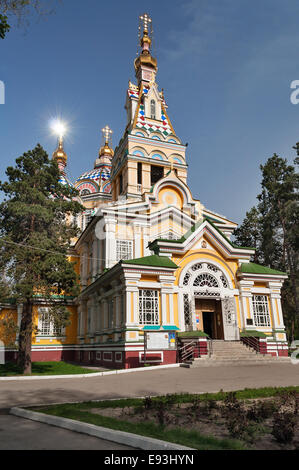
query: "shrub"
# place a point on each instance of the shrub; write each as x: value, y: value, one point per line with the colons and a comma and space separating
x: 284, y: 427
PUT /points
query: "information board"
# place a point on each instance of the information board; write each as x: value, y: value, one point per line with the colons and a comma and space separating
x: 156, y: 340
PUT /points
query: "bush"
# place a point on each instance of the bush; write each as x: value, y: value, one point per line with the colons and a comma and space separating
x: 284, y: 427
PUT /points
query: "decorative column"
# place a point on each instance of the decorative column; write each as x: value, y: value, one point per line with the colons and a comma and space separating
x: 246, y: 304
x: 275, y: 301
x: 110, y: 242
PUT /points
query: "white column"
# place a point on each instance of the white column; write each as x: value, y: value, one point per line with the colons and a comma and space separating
x: 245, y: 292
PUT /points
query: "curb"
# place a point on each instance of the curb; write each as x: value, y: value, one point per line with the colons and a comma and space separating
x: 96, y: 374
x: 121, y: 437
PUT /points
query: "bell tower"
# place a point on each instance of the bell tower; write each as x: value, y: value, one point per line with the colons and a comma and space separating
x: 149, y: 148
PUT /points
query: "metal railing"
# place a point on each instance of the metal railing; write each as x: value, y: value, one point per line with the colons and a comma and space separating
x: 210, y: 346
x: 251, y: 342
x: 186, y: 352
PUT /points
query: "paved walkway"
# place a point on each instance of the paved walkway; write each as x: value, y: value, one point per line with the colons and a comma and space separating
x: 136, y: 384
x: 23, y: 434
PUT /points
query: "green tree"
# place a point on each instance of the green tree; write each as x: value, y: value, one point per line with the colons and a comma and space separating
x: 249, y: 233
x: 4, y: 26
x: 278, y: 229
x: 35, y: 240
x: 19, y: 10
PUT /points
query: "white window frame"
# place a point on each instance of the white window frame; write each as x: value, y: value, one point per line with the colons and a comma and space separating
x: 46, y: 327
x: 149, y: 309
x: 260, y: 307
x: 124, y: 249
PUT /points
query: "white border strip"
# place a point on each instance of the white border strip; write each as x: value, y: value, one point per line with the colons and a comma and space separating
x: 121, y: 437
x: 96, y: 374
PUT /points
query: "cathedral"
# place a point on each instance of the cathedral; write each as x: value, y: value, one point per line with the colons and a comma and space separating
x: 151, y: 257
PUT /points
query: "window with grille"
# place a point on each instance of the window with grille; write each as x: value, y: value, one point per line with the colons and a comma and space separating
x: 148, y: 307
x: 205, y: 280
x: 153, y: 109
x: 261, y: 310
x: 124, y: 249
x: 187, y: 313
x: 46, y: 325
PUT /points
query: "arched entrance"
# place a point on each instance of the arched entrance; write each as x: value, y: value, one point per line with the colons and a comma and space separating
x: 209, y: 303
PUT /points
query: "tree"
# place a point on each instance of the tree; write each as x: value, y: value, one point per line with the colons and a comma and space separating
x: 248, y: 234
x: 4, y: 26
x: 35, y: 241
x: 17, y: 9
x: 278, y: 229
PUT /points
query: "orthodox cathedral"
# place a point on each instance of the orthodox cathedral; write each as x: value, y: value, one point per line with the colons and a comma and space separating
x: 151, y: 257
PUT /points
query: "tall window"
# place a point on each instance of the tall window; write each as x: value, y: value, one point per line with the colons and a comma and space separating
x: 153, y: 109
x: 46, y: 325
x: 157, y: 172
x: 148, y: 307
x: 110, y: 313
x: 139, y: 173
x: 120, y: 183
x: 124, y: 249
x: 261, y: 310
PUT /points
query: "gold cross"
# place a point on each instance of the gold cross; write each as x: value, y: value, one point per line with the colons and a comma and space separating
x: 146, y: 21
x: 107, y: 133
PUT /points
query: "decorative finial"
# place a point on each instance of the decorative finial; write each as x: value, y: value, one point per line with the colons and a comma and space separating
x: 146, y: 21
x: 106, y: 149
x: 107, y: 132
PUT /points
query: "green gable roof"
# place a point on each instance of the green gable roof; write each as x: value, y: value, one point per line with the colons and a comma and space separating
x: 253, y: 268
x: 153, y: 260
x: 194, y: 228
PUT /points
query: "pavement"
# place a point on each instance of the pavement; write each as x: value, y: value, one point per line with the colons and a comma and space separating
x: 137, y: 384
x: 22, y: 434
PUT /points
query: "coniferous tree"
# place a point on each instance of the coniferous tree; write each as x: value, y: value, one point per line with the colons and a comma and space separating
x: 35, y: 241
x: 249, y: 233
x: 278, y: 237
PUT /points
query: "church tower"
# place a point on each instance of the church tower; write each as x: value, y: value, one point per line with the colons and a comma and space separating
x: 149, y: 148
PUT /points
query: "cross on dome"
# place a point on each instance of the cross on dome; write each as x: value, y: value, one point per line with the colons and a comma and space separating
x: 146, y: 19
x: 107, y: 132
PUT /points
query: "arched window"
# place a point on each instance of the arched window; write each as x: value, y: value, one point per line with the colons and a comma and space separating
x: 153, y: 109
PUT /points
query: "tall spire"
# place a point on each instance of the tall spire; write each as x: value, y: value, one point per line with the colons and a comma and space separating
x: 60, y: 156
x: 145, y: 64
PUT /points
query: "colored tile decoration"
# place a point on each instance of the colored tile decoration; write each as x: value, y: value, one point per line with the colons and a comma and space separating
x: 96, y: 175
x: 143, y: 123
x: 65, y: 181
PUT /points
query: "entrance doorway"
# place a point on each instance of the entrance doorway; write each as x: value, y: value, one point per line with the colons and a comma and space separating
x: 209, y: 317
x: 208, y: 322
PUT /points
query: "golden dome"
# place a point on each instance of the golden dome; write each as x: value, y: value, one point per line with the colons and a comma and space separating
x: 106, y: 150
x: 59, y: 153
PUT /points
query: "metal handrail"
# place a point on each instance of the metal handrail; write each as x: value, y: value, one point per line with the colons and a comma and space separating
x: 187, y: 351
x: 210, y: 345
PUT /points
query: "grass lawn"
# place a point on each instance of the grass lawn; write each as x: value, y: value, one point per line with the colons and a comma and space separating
x: 88, y: 413
x: 44, y: 368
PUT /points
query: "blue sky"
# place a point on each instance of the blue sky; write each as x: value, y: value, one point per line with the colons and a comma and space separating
x: 225, y: 65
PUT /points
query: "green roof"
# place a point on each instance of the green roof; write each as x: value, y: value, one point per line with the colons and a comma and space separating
x: 153, y: 260
x: 160, y: 328
x: 253, y: 268
x: 194, y: 228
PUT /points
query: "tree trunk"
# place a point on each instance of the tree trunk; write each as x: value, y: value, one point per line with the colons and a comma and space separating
x: 25, y: 338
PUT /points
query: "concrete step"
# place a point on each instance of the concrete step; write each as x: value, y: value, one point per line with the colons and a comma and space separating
x: 210, y: 362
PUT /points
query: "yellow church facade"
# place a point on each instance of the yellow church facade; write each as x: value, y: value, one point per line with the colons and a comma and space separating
x: 151, y: 257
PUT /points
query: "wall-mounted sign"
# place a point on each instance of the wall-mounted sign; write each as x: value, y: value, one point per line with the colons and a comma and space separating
x: 157, y: 340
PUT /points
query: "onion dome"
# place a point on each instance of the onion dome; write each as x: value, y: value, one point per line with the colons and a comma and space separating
x: 98, y: 179
x: 60, y: 156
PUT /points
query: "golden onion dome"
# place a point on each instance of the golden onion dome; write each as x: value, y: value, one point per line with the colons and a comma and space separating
x: 59, y: 153
x: 106, y: 150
